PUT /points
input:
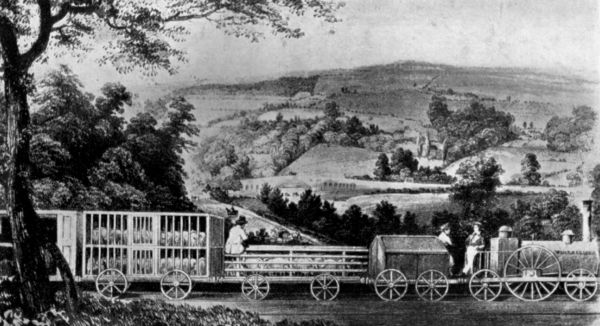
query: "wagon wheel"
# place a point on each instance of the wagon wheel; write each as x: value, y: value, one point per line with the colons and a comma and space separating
x: 391, y: 285
x: 176, y: 285
x: 485, y: 285
x: 432, y: 285
x: 111, y: 283
x: 532, y: 262
x: 255, y: 287
x: 324, y: 287
x: 582, y: 290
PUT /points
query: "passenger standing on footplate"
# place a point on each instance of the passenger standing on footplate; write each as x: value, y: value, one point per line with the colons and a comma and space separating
x: 475, y: 243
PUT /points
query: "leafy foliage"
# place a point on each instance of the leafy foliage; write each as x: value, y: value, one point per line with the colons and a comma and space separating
x: 471, y: 129
x: 552, y: 206
x: 403, y: 159
x: 382, y: 167
x: 476, y: 190
x: 85, y: 156
x: 567, y: 134
x: 529, y: 169
x: 353, y: 227
x: 95, y: 312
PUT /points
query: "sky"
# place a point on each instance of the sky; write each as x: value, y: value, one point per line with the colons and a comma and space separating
x: 556, y: 35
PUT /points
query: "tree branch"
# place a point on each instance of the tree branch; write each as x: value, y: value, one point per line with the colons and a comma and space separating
x: 8, y: 42
x: 180, y: 17
x: 41, y: 43
x: 47, y: 22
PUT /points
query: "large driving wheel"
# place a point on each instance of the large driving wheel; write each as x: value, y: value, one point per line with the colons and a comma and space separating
x: 485, y: 285
x: 582, y: 289
x: 111, y: 283
x: 432, y: 285
x: 532, y: 263
x: 325, y: 287
x: 391, y: 285
x: 176, y: 285
x: 255, y: 287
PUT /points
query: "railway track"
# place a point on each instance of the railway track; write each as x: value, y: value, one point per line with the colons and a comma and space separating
x: 355, y: 308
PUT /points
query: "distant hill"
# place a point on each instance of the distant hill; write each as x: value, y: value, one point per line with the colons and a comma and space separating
x: 333, y: 161
x: 404, y: 89
x: 284, y: 86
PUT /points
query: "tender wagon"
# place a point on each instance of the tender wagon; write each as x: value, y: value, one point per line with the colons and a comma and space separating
x: 397, y: 261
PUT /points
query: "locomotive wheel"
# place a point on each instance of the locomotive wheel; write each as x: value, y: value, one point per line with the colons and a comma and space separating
x: 255, y: 287
x: 176, y: 285
x: 391, y: 285
x: 432, y: 285
x: 531, y: 262
x: 111, y: 283
x: 324, y: 287
x: 487, y: 290
x: 581, y: 290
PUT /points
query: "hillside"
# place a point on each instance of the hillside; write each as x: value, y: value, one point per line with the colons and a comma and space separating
x: 333, y: 161
x: 554, y: 165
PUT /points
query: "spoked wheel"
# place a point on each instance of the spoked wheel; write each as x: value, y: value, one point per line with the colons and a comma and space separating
x: 255, y: 287
x: 176, y: 285
x: 485, y: 285
x: 391, y: 285
x: 530, y: 263
x: 432, y: 285
x: 111, y: 283
x: 325, y: 287
x: 583, y: 289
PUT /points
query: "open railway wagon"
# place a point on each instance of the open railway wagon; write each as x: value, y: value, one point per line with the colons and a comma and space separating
x: 323, y: 268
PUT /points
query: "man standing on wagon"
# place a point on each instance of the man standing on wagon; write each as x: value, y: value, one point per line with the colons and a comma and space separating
x: 475, y: 243
x: 445, y: 238
x: 237, y: 236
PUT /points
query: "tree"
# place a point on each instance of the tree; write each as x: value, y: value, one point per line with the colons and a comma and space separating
x: 402, y: 159
x: 529, y: 169
x: 382, y: 167
x: 409, y: 223
x: 388, y: 222
x: 356, y: 227
x: 309, y: 208
x: 265, y: 190
x: 140, y: 33
x: 567, y: 134
x: 569, y: 219
x: 276, y: 203
x: 332, y: 110
x: 595, y: 196
x: 476, y: 190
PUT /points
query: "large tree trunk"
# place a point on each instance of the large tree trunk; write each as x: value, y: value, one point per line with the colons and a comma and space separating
x: 27, y: 246
x: 29, y: 243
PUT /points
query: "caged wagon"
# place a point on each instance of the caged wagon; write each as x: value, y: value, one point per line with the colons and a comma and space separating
x: 180, y: 250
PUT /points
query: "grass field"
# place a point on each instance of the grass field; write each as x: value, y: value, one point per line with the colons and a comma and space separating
x: 510, y: 155
x: 334, y: 161
x: 210, y: 107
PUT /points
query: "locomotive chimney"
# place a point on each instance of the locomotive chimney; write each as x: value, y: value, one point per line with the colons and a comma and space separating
x: 586, y: 221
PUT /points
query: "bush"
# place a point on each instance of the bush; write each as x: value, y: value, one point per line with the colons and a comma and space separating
x: 94, y: 311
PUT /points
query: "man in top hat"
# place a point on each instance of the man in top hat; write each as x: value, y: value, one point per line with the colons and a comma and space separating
x: 474, y: 243
x: 445, y: 238
x: 237, y: 236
